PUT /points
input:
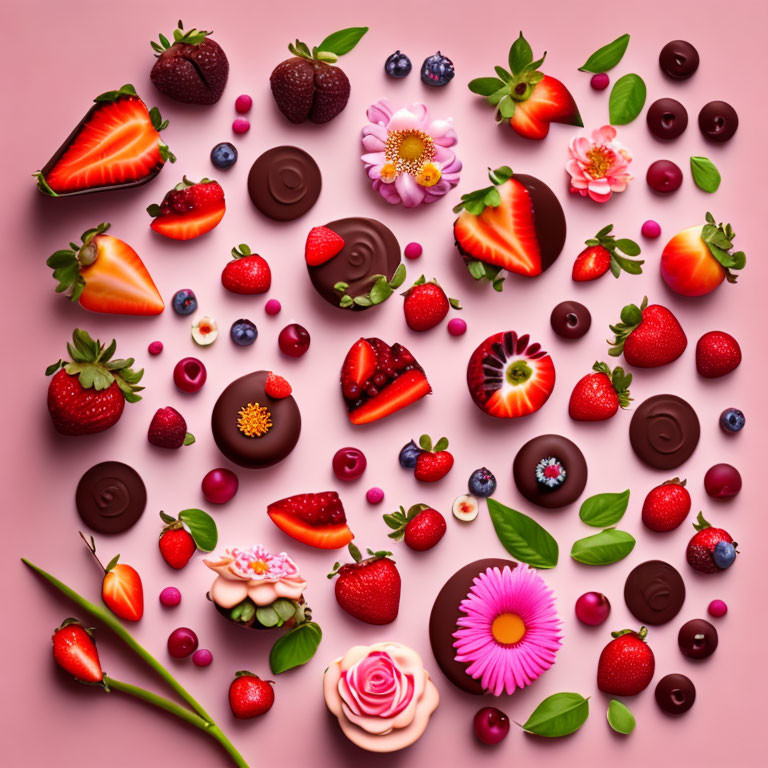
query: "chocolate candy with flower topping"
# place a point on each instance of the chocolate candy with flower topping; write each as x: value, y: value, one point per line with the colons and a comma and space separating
x: 110, y: 497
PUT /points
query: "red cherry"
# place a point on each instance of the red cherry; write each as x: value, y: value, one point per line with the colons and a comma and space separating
x: 491, y: 725
x: 293, y: 340
x: 592, y: 608
x: 220, y: 485
x: 182, y: 642
x: 189, y: 375
x: 664, y: 176
x: 722, y: 481
x: 349, y: 463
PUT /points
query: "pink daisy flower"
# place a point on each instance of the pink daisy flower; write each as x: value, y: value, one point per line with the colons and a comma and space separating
x: 510, y: 631
x: 598, y: 166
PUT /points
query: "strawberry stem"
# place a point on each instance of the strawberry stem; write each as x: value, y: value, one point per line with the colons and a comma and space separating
x: 92, y: 549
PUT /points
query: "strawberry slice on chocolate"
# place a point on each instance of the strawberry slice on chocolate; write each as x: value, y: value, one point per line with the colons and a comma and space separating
x: 315, y: 519
x: 378, y: 379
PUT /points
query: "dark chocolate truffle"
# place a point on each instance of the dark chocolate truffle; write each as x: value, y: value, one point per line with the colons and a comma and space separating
x: 252, y: 429
x: 718, y: 121
x: 570, y: 320
x: 697, y: 639
x: 654, y: 592
x: 284, y: 183
x: 679, y: 59
x: 666, y: 118
x: 550, y: 471
x: 110, y: 497
x: 675, y: 694
x: 664, y: 431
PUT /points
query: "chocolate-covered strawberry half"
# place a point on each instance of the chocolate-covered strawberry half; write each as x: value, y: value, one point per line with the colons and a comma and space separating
x: 378, y: 379
x: 516, y: 224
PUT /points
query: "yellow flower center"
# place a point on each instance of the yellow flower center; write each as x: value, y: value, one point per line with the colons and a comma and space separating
x: 254, y: 420
x: 601, y: 159
x: 429, y: 175
x: 508, y: 629
x: 388, y: 173
x: 409, y: 151
x: 259, y: 566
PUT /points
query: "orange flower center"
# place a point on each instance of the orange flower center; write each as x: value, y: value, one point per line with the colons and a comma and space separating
x: 601, y: 159
x: 409, y: 151
x: 259, y: 566
x: 508, y: 629
x: 254, y: 420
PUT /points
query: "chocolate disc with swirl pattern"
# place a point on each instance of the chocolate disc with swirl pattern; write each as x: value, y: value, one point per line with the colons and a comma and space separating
x: 664, y: 431
x: 284, y: 183
x: 362, y: 274
x: 654, y: 592
x: 110, y: 497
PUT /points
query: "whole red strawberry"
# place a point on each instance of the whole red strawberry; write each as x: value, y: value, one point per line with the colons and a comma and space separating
x: 75, y: 652
x: 421, y: 527
x: 168, y: 429
x: 666, y: 505
x: 649, y: 336
x: 368, y: 589
x: 181, y: 538
x: 434, y: 462
x: 426, y: 305
x: 717, y: 353
x: 193, y: 69
x: 322, y: 245
x: 250, y: 696
x: 248, y: 273
x: 602, y: 254
x: 88, y: 393
x: 626, y: 664
x: 710, y: 549
x: 599, y: 395
x: 177, y: 547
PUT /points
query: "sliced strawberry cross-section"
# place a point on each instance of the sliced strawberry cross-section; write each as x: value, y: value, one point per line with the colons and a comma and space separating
x: 316, y: 519
x: 189, y: 210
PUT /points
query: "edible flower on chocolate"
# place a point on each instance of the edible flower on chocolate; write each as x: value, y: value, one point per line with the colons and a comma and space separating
x: 598, y: 165
x: 550, y: 472
x: 254, y: 420
x: 408, y: 155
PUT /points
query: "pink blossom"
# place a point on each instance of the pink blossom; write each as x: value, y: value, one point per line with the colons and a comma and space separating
x: 598, y: 166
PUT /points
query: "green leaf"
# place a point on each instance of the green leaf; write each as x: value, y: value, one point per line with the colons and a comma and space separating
x: 112, y: 563
x: 476, y: 269
x: 189, y: 438
x: 620, y: 718
x: 627, y: 99
x: 504, y: 76
x: 608, y: 546
x: 523, y: 537
x: 630, y: 247
x: 380, y: 291
x: 604, y: 509
x: 398, y: 278
x: 485, y: 86
x: 492, y: 198
x: 506, y: 107
x: 201, y: 527
x: 558, y: 715
x: 607, y: 57
x: 295, y: 647
x: 343, y: 41
x: 705, y: 174
x: 441, y: 445
x: 425, y: 443
x: 501, y: 174
x: 520, y: 55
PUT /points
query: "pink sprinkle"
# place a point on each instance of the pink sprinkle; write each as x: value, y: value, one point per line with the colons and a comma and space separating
x: 170, y: 597
x: 413, y: 251
x: 457, y: 326
x: 600, y: 81
x: 202, y: 657
x: 374, y: 495
x: 717, y: 608
x: 272, y: 307
x: 241, y: 125
x: 155, y: 348
x: 650, y: 228
x: 243, y: 103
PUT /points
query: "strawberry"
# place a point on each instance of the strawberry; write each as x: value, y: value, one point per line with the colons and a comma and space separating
x: 180, y: 538
x: 649, y: 336
x: 88, y: 393
x: 626, y: 664
x: 695, y: 261
x: 75, y: 652
x: 177, y: 547
x: 307, y: 86
x: 426, y: 305
x: 250, y: 696
x: 717, y: 353
x: 529, y: 99
x: 193, y: 69
x: 433, y: 463
x: 276, y: 386
x: 710, y: 549
x: 322, y: 245
x: 117, y: 144
x: 105, y: 274
x: 666, y: 505
x: 189, y: 210
x: 599, y: 395
x: 168, y: 429
x: 315, y: 519
x: 421, y: 527
x: 247, y: 274
x: 368, y: 589
x: 602, y: 254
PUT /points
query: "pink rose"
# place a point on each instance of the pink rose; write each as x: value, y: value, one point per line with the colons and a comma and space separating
x: 598, y: 165
x: 376, y: 687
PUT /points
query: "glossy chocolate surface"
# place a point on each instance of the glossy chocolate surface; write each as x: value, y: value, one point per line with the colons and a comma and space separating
x: 664, y: 431
x: 110, y: 497
x: 654, y: 592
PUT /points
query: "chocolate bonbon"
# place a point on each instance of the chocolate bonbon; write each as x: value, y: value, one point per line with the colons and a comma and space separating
x: 675, y: 694
x: 679, y: 60
x: 697, y: 639
x: 110, y: 497
x: 570, y: 320
x: 654, y: 592
x: 664, y: 431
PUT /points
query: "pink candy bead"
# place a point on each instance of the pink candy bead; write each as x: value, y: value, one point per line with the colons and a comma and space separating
x: 717, y: 608
x: 272, y: 307
x: 241, y: 125
x: 170, y: 597
x: 600, y: 81
x: 650, y: 228
x: 374, y: 495
x: 202, y: 657
x: 413, y: 251
x: 243, y: 103
x: 457, y: 326
x: 155, y: 348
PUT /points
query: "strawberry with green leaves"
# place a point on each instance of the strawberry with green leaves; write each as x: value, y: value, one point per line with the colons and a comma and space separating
x: 434, y: 462
x: 181, y: 537
x: 421, y: 527
x: 426, y: 305
x: 599, y: 395
x: 602, y: 254
x: 248, y: 273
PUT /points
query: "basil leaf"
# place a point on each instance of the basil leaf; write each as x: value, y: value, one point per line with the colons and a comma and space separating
x: 630, y: 247
x: 620, y: 718
x: 343, y: 41
x: 705, y: 174
x: 604, y: 509
x: 627, y: 99
x: 523, y: 537
x: 608, y: 546
x: 520, y: 55
x: 485, y: 86
x: 296, y: 647
x: 201, y: 527
x: 558, y: 715
x: 607, y: 57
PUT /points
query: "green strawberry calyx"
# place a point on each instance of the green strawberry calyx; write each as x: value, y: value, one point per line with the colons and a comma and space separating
x: 181, y: 36
x: 701, y: 524
x: 620, y: 381
x: 399, y: 520
x: 242, y: 251
x: 67, y: 264
x: 628, y: 247
x: 335, y: 45
x: 381, y: 290
x: 455, y: 303
x: 631, y: 317
x: 357, y: 557
x: 154, y: 209
x: 676, y: 481
x: 719, y: 240
x: 641, y: 635
x: 91, y: 361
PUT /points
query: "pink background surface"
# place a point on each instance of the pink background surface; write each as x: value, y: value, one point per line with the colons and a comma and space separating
x: 75, y: 50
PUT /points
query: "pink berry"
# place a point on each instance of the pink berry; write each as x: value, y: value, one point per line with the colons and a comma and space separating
x: 189, y: 375
x: 491, y: 725
x: 241, y: 125
x: 202, y: 657
x: 664, y: 176
x: 592, y: 608
x: 155, y: 348
x: 272, y: 307
x: 717, y: 608
x: 600, y: 81
x: 220, y: 485
x: 182, y: 642
x: 374, y: 495
x: 650, y: 228
x: 413, y: 251
x: 243, y: 103
x: 349, y: 463
x: 170, y: 597
x: 293, y: 340
x: 722, y: 481
x: 457, y: 326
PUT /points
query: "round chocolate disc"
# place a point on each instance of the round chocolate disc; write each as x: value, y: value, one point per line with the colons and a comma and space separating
x: 654, y: 592
x: 664, y: 431
x: 675, y: 694
x: 284, y: 183
x: 110, y: 497
x: 570, y: 320
x: 251, y: 428
x: 697, y: 639
x: 550, y: 471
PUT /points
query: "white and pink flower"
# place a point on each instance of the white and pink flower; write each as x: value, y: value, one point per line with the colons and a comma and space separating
x: 598, y: 166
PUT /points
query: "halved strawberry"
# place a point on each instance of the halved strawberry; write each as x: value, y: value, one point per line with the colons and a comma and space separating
x: 316, y: 519
x: 322, y: 245
x: 359, y: 365
x: 123, y: 593
x: 117, y: 144
x: 550, y: 102
x: 189, y: 210
x: 509, y: 377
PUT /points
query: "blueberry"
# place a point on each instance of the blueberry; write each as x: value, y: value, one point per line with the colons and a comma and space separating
x: 482, y: 482
x: 224, y: 155
x: 724, y: 554
x: 397, y: 65
x: 437, y: 70
x: 184, y: 302
x: 732, y: 420
x: 408, y: 455
x: 243, y: 332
